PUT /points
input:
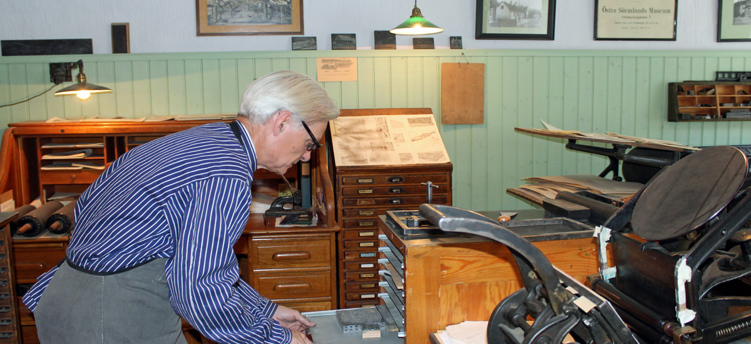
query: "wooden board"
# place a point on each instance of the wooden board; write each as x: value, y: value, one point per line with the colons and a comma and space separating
x: 462, y: 93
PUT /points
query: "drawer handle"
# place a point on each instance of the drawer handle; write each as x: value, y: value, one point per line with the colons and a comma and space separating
x: 366, y: 223
x: 4, y: 296
x: 367, y: 286
x: 396, y: 179
x: 396, y: 200
x: 365, y: 191
x: 366, y: 234
x: 365, y: 181
x: 6, y: 335
x: 287, y: 287
x: 5, y: 309
x: 367, y: 275
x: 396, y: 190
x: 367, y: 244
x: 366, y: 212
x: 367, y: 255
x: 291, y: 255
x: 5, y: 322
x: 367, y: 296
x: 367, y: 266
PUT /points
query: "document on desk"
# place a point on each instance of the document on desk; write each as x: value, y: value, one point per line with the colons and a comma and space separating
x: 387, y: 140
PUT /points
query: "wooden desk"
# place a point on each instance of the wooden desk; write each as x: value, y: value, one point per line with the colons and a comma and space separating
x: 453, y: 279
x: 295, y: 267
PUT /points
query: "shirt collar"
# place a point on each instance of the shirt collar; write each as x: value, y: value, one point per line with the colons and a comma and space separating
x: 249, y: 147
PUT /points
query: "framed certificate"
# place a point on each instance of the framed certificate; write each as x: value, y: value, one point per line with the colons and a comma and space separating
x: 734, y: 21
x: 640, y: 20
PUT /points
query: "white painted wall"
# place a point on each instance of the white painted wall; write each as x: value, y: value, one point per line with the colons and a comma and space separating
x: 158, y: 26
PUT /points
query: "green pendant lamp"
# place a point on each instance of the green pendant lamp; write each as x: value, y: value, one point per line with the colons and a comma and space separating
x: 416, y: 25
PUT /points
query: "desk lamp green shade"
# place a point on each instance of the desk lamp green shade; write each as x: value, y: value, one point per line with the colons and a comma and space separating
x: 82, y: 89
x: 416, y: 25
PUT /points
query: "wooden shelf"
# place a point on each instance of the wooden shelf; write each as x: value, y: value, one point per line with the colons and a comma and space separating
x: 690, y: 101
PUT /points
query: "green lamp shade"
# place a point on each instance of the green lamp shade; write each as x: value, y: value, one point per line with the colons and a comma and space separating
x: 416, y: 25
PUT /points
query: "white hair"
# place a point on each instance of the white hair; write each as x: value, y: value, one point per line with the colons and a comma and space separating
x: 287, y: 91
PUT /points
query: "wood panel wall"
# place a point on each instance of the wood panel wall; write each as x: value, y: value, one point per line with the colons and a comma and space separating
x: 590, y: 90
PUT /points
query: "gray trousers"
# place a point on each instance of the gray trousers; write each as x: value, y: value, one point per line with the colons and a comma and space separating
x: 127, y: 307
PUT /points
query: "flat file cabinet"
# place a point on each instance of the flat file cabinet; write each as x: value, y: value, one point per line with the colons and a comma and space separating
x: 364, y: 192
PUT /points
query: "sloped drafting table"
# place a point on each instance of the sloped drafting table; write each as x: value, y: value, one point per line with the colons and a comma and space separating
x: 620, y: 145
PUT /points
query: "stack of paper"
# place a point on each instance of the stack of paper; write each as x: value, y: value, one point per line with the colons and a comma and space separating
x: 76, y: 154
x: 549, y: 187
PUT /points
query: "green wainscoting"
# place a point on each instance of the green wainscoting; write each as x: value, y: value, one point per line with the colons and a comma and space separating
x: 589, y: 90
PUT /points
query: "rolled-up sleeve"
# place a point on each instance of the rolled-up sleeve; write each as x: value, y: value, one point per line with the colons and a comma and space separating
x: 204, y: 281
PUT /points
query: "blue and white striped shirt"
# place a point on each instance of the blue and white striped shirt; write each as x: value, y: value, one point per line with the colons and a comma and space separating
x: 185, y: 197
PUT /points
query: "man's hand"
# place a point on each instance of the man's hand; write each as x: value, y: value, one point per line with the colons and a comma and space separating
x: 294, y: 321
x: 299, y: 338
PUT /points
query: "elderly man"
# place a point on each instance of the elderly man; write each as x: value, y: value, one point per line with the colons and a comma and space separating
x: 154, y: 233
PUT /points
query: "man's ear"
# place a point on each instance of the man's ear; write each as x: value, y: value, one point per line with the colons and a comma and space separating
x: 281, y: 121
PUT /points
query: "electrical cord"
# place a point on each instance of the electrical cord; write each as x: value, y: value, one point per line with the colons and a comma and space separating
x: 30, y: 98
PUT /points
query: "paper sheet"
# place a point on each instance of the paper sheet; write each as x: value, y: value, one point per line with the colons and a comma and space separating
x: 387, y: 140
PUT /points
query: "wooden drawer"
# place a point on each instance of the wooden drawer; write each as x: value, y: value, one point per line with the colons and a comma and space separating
x: 365, y: 191
x: 391, y: 201
x: 371, y: 223
x: 394, y: 179
x: 32, y: 259
x: 361, y: 296
x: 360, y: 234
x: 361, y: 286
x: 362, y: 303
x: 307, y: 306
x: 367, y: 244
x: 269, y: 253
x: 365, y: 254
x: 367, y: 212
x: 68, y: 177
x: 355, y: 276
x: 293, y: 285
x: 361, y: 265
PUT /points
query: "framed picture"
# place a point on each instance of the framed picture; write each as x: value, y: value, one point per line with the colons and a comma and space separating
x: 262, y: 17
x: 635, y: 20
x: 343, y: 41
x: 507, y: 19
x: 734, y: 21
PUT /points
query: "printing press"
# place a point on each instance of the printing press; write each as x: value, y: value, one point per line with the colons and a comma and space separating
x: 679, y: 273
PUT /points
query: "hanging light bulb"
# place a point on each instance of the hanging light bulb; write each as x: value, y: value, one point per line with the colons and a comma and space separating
x: 416, y: 25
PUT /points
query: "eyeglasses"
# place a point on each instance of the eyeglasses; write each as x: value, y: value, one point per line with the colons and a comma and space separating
x: 313, y: 145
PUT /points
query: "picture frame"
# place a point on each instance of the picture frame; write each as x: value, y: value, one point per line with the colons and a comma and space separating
x: 635, y: 20
x: 506, y: 19
x: 343, y: 41
x: 304, y: 43
x: 734, y: 21
x: 219, y: 18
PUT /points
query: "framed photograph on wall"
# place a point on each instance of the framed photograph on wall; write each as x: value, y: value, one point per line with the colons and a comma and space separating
x: 515, y: 19
x: 267, y: 17
x: 734, y: 21
x: 635, y: 20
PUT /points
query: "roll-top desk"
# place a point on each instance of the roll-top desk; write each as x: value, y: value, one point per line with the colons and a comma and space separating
x: 293, y: 266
